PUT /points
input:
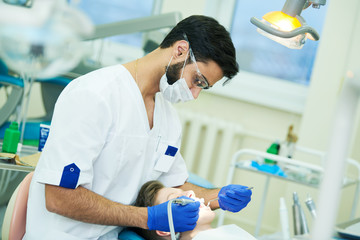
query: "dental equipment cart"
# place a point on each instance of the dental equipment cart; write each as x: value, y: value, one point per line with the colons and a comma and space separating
x: 312, y: 179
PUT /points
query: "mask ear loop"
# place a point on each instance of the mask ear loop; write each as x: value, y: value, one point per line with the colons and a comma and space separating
x: 169, y: 63
x: 184, y: 63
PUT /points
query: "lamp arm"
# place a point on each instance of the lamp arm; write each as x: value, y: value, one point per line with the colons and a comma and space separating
x: 301, y: 30
x: 136, y: 25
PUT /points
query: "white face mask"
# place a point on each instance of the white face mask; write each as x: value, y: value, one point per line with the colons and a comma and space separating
x: 178, y: 91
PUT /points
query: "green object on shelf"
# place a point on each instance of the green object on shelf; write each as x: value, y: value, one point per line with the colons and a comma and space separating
x: 11, y: 138
x: 31, y: 142
x: 273, y: 149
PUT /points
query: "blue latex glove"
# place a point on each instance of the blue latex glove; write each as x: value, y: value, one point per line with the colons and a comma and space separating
x: 234, y: 197
x: 184, y: 217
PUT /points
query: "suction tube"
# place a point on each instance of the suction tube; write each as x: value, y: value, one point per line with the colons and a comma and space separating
x: 180, y: 201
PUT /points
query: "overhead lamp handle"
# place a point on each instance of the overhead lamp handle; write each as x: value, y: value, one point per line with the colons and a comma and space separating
x: 301, y: 30
x: 293, y: 7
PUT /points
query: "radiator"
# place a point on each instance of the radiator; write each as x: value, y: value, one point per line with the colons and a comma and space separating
x: 208, y: 144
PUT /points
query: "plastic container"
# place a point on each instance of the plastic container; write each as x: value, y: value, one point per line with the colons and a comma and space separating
x: 273, y: 149
x: 44, y: 133
x: 11, y: 138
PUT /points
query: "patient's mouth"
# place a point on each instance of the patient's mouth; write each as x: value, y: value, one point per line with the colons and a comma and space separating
x: 201, y: 200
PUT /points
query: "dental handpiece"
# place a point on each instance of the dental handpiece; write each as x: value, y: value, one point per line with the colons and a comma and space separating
x: 182, y: 201
x: 300, y: 223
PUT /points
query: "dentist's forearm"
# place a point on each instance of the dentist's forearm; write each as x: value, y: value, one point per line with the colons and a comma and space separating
x: 84, y: 205
x: 207, y: 194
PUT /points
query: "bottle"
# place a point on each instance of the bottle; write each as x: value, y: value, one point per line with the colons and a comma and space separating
x: 11, y: 138
x: 287, y: 147
x: 273, y: 149
x: 44, y: 133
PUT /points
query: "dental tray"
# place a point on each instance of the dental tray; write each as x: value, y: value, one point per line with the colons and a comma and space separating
x: 349, y: 229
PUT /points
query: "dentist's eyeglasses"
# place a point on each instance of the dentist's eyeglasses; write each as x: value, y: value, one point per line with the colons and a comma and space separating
x: 199, y: 81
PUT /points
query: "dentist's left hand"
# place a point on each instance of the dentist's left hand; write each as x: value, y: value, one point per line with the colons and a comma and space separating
x: 234, y: 197
x: 184, y: 217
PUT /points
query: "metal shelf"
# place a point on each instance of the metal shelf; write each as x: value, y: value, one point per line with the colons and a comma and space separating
x: 25, y: 151
x: 316, y: 170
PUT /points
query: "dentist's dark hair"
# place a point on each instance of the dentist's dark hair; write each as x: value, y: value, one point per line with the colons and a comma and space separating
x: 209, y: 41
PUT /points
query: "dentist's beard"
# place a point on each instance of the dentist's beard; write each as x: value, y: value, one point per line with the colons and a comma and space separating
x: 173, y: 72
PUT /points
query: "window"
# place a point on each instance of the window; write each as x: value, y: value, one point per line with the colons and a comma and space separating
x: 101, y: 12
x: 270, y: 74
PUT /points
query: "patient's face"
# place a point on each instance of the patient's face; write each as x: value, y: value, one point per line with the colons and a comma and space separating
x: 206, y: 215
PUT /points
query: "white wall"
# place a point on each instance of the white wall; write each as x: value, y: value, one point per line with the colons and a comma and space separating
x: 333, y: 60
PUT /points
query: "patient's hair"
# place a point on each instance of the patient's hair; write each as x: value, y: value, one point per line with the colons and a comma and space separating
x: 147, y: 194
x: 208, y: 39
x: 146, y: 198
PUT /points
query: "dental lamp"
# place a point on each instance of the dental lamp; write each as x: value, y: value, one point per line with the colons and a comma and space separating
x: 287, y: 27
x: 40, y: 39
x: 23, y: 3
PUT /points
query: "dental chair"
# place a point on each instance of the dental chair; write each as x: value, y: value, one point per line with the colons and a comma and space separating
x: 14, y: 223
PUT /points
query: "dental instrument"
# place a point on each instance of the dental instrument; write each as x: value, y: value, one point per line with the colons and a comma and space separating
x: 311, y: 206
x: 296, y: 215
x: 248, y: 188
x: 300, y: 224
x: 211, y: 201
x: 182, y: 202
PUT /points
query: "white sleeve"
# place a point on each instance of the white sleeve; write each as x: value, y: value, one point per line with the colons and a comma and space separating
x: 77, y: 135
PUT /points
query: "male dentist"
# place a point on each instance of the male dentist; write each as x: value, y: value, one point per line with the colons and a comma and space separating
x: 115, y: 128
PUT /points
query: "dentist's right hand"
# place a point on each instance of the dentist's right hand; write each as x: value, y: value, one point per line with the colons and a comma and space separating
x: 184, y: 217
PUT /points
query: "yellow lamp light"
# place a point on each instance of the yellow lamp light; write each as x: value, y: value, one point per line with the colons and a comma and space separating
x: 282, y: 21
x: 287, y: 27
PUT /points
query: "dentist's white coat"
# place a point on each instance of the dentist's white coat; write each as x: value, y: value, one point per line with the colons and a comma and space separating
x: 100, y: 124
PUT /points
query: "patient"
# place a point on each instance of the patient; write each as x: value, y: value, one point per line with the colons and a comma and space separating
x: 154, y: 192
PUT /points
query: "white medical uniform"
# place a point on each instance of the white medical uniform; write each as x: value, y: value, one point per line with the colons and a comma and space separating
x: 100, y: 139
x: 228, y: 232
